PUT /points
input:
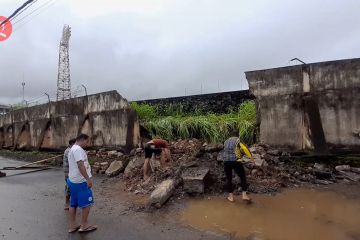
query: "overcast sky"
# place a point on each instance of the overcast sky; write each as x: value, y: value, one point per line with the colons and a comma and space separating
x: 158, y: 48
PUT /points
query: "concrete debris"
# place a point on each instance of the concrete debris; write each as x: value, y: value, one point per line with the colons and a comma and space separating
x: 112, y: 153
x: 162, y: 193
x: 352, y: 176
x: 135, y: 163
x: 320, y: 167
x: 199, y: 166
x: 115, y: 168
x: 214, y: 147
x: 343, y: 168
x: 220, y: 156
x: 323, y: 174
x: 96, y: 167
x: 274, y: 152
x: 195, y: 179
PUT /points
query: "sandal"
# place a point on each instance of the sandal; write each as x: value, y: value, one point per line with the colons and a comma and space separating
x: 74, y: 229
x: 88, y: 229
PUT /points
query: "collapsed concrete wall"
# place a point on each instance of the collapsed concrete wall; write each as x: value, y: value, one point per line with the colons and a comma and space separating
x: 309, y: 107
x: 106, y: 117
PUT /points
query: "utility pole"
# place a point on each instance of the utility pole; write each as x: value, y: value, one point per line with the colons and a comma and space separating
x: 84, y: 89
x: 23, y: 91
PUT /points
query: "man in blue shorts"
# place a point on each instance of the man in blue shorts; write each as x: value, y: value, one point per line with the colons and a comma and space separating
x: 80, y: 184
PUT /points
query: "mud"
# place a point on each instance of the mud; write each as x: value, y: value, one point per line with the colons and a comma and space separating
x: 291, y: 215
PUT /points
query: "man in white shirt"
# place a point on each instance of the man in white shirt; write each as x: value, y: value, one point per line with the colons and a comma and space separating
x: 80, y: 184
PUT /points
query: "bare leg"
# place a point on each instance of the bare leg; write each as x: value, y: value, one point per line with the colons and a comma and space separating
x: 245, y: 196
x: 72, y: 219
x: 147, y: 168
x: 240, y: 171
x: 67, y: 202
x: 231, y: 197
x: 229, y: 185
x: 84, y: 219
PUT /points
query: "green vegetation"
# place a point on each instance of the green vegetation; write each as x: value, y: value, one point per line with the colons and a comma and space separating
x: 212, y: 127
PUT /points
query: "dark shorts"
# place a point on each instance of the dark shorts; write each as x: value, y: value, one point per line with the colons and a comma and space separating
x: 80, y: 195
x: 150, y: 150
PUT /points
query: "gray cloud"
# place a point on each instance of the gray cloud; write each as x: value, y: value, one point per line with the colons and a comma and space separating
x: 159, y: 50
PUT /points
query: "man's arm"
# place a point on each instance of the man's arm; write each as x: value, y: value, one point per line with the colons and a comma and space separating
x: 82, y: 170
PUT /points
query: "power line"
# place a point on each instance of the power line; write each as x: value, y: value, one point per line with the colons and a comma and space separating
x: 33, y: 11
x: 17, y: 10
x: 23, y: 10
x: 21, y: 25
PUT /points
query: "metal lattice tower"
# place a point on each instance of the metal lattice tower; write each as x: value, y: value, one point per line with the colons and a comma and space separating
x: 63, y: 82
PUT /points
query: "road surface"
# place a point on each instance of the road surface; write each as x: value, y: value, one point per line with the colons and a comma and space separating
x: 32, y: 209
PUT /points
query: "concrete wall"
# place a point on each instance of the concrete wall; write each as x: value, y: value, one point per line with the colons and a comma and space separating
x: 206, y: 103
x: 309, y: 107
x: 106, y: 117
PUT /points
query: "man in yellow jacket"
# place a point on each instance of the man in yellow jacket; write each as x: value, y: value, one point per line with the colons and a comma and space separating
x: 233, y: 160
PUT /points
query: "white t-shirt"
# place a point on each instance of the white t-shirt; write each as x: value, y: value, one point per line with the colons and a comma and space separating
x: 76, y: 154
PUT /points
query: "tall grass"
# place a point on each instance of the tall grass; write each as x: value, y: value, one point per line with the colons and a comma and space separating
x: 212, y: 127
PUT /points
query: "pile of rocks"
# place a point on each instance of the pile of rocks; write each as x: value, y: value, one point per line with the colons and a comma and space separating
x: 197, y: 168
x: 100, y: 167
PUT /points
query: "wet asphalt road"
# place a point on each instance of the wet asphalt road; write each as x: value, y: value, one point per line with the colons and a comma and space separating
x: 32, y: 209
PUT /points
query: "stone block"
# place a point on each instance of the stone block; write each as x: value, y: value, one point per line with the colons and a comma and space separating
x: 162, y: 193
x: 135, y: 163
x: 195, y: 179
x: 115, y: 168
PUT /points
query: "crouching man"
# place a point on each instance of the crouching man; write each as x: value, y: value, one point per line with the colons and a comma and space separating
x: 80, y: 184
x: 159, y: 147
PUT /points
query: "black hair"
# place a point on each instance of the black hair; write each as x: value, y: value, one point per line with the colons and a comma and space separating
x: 82, y: 136
x: 72, y: 141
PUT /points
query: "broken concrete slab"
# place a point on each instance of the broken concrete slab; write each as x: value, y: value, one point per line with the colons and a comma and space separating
x: 258, y: 160
x: 162, y: 193
x: 104, y: 166
x: 220, y: 156
x: 274, y: 152
x: 214, y: 147
x: 343, y: 168
x: 322, y: 174
x: 195, y: 179
x: 320, y: 167
x: 350, y: 176
x: 135, y: 163
x: 115, y: 168
x: 113, y: 153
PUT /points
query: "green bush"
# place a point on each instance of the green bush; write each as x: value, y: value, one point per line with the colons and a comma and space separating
x: 212, y: 127
x: 144, y: 111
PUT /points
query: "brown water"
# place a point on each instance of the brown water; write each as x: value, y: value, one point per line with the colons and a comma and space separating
x: 292, y: 215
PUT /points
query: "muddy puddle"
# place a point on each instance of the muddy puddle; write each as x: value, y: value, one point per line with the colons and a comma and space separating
x: 292, y: 215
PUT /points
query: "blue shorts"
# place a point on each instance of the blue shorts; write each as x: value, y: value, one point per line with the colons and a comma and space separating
x: 80, y: 195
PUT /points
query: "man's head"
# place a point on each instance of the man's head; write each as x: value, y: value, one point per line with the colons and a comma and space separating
x: 72, y: 141
x: 82, y: 140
